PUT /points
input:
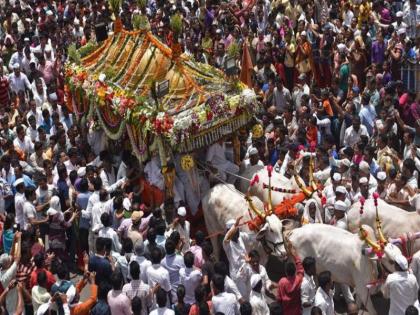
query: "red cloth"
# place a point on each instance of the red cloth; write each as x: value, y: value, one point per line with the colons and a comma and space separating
x: 34, y: 275
x: 151, y: 195
x: 289, y: 291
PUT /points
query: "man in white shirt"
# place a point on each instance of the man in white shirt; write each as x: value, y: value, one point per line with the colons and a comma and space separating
x: 108, y: 232
x: 250, y: 166
x: 17, y: 57
x: 223, y: 302
x: 19, y: 201
x: 138, y: 288
x: 412, y: 19
x: 182, y: 226
x: 400, y: 287
x: 234, y: 246
x: 18, y: 81
x: 190, y: 277
x: 156, y: 274
x: 217, y: 159
x: 29, y: 211
x: 22, y: 141
x: 102, y: 206
x: 257, y: 299
x: 353, y: 133
x: 162, y: 302
x: 251, y: 267
x: 324, y: 296
x: 141, y: 260
x: 308, y: 287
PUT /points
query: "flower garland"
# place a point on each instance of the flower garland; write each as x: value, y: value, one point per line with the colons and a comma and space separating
x: 139, y: 152
x: 114, y: 136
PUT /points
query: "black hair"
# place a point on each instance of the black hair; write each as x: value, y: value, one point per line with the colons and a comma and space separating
x: 29, y: 192
x: 84, y: 185
x: 308, y: 262
x: 324, y: 278
x: 41, y: 278
x: 135, y: 270
x: 127, y: 245
x: 155, y: 255
x: 411, y: 310
x: 39, y: 260
x: 245, y: 308
x: 290, y: 269
x: 136, y: 306
x: 200, y: 294
x: 316, y: 311
x: 117, y: 280
x: 170, y: 246
x: 180, y: 292
x: 106, y: 219
x: 189, y: 259
x: 161, y: 297
x: 275, y: 308
x: 103, y: 288
x: 221, y: 268
x: 100, y: 244
x: 97, y: 183
x: 219, y: 282
x: 61, y: 271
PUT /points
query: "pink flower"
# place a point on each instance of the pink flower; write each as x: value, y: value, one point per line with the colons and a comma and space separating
x: 375, y: 195
x: 269, y: 170
x: 362, y: 200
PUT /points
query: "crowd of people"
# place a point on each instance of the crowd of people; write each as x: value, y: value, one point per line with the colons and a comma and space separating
x: 337, y: 80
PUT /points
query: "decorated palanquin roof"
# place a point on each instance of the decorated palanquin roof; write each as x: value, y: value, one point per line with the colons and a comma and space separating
x: 115, y: 82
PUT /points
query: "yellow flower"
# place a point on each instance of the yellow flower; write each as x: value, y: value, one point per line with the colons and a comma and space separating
x: 202, y: 117
x: 101, y: 92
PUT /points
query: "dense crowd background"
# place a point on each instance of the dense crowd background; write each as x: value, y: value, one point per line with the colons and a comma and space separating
x: 338, y: 78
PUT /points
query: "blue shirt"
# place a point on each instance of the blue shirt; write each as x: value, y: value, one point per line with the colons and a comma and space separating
x: 63, y: 192
x: 8, y: 236
x: 367, y: 117
x: 82, y: 201
x: 102, y: 267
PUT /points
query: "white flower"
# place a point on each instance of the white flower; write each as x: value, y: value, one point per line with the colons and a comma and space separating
x: 102, y: 77
x: 248, y: 97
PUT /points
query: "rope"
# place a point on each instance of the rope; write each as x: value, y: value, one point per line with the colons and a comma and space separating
x: 221, y: 180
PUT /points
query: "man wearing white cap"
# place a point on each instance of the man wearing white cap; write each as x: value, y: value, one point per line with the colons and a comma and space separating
x: 234, y: 246
x: 363, y: 189
x: 398, y: 24
x: 340, y: 218
x: 257, y: 299
x: 183, y: 227
x: 329, y: 190
x: 364, y: 169
x: 400, y: 287
x: 250, y: 166
x: 382, y: 186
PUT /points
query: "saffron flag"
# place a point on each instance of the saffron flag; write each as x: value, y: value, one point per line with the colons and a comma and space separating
x: 246, y: 66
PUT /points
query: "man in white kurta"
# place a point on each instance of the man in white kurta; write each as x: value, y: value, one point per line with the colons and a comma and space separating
x: 234, y: 246
x: 216, y: 157
x: 249, y: 167
x: 308, y: 287
x: 400, y: 287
